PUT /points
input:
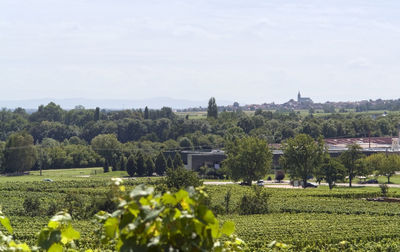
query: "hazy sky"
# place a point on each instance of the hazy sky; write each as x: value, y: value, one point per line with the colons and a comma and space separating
x: 251, y: 51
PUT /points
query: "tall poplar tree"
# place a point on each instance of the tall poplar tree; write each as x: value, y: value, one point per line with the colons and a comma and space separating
x: 131, y: 166
x: 177, y: 161
x: 212, y: 110
x: 146, y: 113
x: 149, y: 166
x: 170, y: 163
x: 161, y: 164
x: 140, y: 165
x: 97, y: 114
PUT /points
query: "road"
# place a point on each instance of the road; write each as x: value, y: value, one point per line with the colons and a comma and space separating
x: 285, y: 184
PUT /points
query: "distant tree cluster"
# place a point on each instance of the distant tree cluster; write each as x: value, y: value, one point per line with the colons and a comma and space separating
x: 304, y: 158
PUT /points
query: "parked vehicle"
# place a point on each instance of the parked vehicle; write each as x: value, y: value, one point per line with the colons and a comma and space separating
x: 260, y: 183
x: 371, y: 181
x: 311, y: 185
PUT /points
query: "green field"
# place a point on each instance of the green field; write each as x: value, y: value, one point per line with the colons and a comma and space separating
x: 316, y: 218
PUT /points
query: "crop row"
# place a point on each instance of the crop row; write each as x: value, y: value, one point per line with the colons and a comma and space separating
x: 314, y: 230
x: 321, y: 200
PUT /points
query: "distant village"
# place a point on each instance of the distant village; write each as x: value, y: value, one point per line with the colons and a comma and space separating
x: 306, y: 103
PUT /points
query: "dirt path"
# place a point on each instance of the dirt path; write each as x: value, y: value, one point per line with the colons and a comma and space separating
x: 285, y: 184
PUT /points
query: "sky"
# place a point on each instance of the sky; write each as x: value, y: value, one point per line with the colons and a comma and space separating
x: 251, y: 51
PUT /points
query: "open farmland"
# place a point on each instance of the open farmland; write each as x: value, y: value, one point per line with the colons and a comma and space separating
x: 315, y: 218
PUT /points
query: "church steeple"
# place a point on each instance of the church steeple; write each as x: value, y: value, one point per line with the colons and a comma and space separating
x: 298, y: 97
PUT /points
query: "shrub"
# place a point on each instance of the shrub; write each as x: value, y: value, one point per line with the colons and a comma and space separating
x: 181, y: 178
x: 74, y: 204
x: 255, y: 203
x: 218, y: 209
x: 32, y: 206
x: 227, y: 201
x: 384, y: 189
x: 53, y: 208
x: 107, y: 204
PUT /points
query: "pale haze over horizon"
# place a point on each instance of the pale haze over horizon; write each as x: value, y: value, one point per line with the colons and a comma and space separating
x: 249, y: 51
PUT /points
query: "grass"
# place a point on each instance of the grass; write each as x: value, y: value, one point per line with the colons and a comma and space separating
x: 193, y: 114
x: 69, y: 172
x: 75, y: 174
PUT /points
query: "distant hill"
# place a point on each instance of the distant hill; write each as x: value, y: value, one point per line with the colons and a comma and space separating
x: 154, y: 103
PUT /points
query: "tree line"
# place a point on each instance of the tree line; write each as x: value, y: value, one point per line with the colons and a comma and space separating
x: 19, y: 154
x: 249, y: 159
x: 304, y: 158
x: 51, y: 121
x: 65, y: 138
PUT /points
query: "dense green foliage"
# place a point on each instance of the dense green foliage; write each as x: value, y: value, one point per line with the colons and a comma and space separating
x: 302, y: 157
x: 63, y: 138
x: 248, y: 158
x: 169, y: 222
x: 143, y: 221
x: 351, y: 161
x: 331, y: 170
x: 180, y: 177
x: 212, y: 110
x: 383, y: 164
x: 19, y: 153
x: 254, y: 203
x: 160, y: 164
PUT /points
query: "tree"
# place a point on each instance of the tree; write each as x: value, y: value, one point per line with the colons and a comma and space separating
x: 161, y: 164
x: 301, y: 156
x: 2, y: 147
x: 180, y: 178
x: 331, y: 170
x: 349, y: 159
x: 212, y: 110
x: 97, y: 114
x: 146, y: 113
x: 149, y: 166
x: 107, y: 145
x: 177, y: 161
x: 279, y: 175
x: 19, y: 153
x: 122, y: 163
x: 385, y: 165
x: 248, y: 158
x: 140, y: 166
x: 51, y: 112
x: 131, y: 166
x: 185, y: 143
x: 170, y: 162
